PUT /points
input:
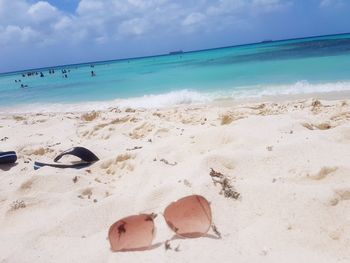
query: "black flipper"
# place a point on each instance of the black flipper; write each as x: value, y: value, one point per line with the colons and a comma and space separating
x: 8, y: 157
x: 84, y: 154
x: 80, y: 152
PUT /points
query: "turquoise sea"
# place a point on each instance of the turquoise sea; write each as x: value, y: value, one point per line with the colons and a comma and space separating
x: 317, y: 64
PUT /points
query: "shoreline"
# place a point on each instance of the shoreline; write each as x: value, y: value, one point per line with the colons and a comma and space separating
x: 84, y: 107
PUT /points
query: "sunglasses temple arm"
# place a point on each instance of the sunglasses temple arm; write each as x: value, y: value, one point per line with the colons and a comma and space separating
x: 215, y: 230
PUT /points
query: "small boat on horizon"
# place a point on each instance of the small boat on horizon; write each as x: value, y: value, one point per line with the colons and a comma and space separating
x: 266, y: 41
x: 176, y: 52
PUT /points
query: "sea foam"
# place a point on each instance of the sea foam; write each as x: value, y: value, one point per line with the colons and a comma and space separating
x: 187, y: 96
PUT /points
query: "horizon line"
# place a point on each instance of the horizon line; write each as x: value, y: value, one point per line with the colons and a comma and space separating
x: 168, y: 54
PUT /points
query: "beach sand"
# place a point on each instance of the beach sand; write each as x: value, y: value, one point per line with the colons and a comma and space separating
x: 288, y: 163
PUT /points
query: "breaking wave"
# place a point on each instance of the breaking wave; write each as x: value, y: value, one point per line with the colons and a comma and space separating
x: 187, y: 96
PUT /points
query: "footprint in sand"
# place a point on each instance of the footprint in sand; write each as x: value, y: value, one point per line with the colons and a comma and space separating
x: 221, y: 163
x: 319, y: 126
x: 27, y: 185
x: 103, y: 129
x: 90, y: 116
x: 340, y: 194
x: 48, y: 184
x: 229, y: 117
x: 341, y: 117
x: 141, y: 131
x: 86, y: 193
x: 161, y: 132
x: 158, y: 195
x: 322, y: 173
x: 94, y: 194
x: 121, y: 162
x: 36, y: 151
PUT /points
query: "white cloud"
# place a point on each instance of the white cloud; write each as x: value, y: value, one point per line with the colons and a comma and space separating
x: 331, y: 3
x: 101, y: 21
x: 135, y: 26
x: 17, y: 34
x: 42, y: 11
x: 22, y: 22
x: 63, y: 23
x: 269, y: 5
x: 193, y: 18
x: 246, y: 6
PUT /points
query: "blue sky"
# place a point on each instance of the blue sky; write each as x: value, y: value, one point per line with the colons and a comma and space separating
x: 46, y: 33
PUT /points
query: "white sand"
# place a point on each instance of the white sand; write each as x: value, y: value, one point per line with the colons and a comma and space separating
x: 290, y: 161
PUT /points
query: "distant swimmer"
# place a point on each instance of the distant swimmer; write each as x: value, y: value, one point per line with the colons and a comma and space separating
x: 24, y: 86
x: 41, y: 75
x: 93, y: 74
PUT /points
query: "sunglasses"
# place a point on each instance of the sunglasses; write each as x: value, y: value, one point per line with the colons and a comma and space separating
x: 188, y: 217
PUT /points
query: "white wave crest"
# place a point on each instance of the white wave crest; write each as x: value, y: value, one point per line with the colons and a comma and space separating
x: 304, y: 87
x: 186, y: 96
x: 164, y: 100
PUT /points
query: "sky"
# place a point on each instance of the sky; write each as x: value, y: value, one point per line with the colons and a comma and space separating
x: 37, y: 34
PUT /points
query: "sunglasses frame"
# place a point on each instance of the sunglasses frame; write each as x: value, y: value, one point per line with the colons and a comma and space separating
x: 152, y: 216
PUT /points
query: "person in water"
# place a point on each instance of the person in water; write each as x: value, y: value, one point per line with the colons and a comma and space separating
x: 93, y: 74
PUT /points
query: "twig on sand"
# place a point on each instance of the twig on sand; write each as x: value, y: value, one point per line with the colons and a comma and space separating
x: 18, y: 204
x: 215, y: 174
x: 166, y: 162
x: 135, y: 148
x: 227, y: 188
x: 167, y: 245
x: 55, y: 144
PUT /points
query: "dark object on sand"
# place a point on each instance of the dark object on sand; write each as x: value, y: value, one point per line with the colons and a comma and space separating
x: 8, y: 157
x: 176, y: 52
x: 84, y: 154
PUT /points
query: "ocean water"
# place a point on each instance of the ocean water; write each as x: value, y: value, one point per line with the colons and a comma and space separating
x: 319, y: 64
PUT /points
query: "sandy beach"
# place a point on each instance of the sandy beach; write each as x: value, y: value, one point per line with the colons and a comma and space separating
x: 288, y: 163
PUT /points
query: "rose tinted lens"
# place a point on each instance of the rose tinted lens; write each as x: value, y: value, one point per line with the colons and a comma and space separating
x: 189, y: 216
x: 132, y: 233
